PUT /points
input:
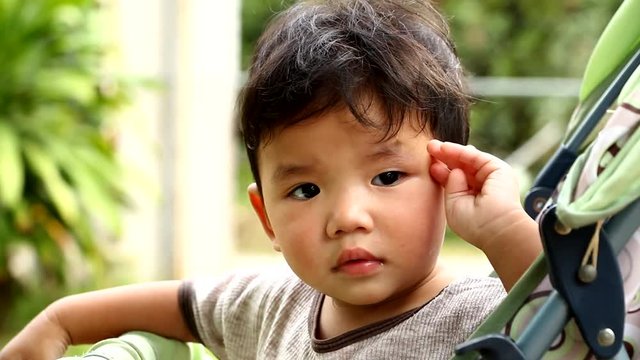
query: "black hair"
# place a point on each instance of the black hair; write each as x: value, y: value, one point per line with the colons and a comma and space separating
x: 318, y: 55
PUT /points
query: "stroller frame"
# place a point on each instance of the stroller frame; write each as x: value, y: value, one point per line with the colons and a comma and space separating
x: 578, y: 295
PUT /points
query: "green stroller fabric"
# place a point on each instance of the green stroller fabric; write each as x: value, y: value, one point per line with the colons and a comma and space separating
x: 620, y: 38
x: 139, y: 345
x: 606, y: 175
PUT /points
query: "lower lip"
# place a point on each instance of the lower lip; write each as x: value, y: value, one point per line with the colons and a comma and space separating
x: 360, y: 268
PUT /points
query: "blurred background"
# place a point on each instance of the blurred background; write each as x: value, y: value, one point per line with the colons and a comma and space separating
x: 119, y: 158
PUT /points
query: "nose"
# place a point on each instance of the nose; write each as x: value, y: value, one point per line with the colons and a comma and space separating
x: 348, y: 213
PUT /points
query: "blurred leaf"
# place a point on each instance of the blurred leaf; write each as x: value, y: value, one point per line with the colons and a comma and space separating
x: 61, y: 193
x: 63, y: 84
x: 11, y: 167
x: 95, y: 189
x: 546, y: 38
x: 58, y: 164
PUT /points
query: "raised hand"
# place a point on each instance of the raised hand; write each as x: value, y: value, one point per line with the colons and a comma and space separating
x: 482, y: 203
x: 481, y: 191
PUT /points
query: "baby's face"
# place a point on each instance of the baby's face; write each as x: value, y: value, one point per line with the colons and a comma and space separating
x: 357, y: 219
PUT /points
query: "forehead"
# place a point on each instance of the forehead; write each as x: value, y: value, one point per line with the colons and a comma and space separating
x: 372, y: 124
x: 335, y: 134
x: 369, y: 116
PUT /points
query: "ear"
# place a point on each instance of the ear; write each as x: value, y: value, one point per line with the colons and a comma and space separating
x: 258, y: 207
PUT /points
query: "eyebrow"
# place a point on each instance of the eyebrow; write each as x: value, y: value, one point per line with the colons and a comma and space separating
x: 386, y: 150
x: 284, y: 171
x: 382, y: 151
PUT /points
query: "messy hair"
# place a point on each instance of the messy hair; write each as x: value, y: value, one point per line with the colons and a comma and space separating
x: 318, y: 55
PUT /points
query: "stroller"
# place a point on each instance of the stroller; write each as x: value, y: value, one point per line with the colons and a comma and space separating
x: 581, y: 298
x: 586, y: 201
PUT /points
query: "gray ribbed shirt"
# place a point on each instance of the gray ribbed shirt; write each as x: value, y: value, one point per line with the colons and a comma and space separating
x: 273, y: 316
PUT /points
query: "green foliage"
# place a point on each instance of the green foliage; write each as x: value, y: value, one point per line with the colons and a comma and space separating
x: 60, y: 184
x: 547, y: 38
x: 255, y: 14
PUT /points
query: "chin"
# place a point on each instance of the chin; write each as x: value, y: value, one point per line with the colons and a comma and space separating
x: 363, y: 298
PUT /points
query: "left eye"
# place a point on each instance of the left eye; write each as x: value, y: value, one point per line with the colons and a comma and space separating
x: 305, y: 191
x: 387, y: 178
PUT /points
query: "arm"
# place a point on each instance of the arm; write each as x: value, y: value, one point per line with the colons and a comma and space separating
x: 93, y: 316
x: 482, y: 202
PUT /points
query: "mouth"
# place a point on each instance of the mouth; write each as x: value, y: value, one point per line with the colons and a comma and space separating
x: 357, y: 262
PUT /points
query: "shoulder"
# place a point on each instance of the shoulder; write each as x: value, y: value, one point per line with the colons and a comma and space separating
x: 467, y: 294
x: 467, y: 301
x: 435, y: 329
x: 475, y: 286
x: 233, y: 312
x: 455, y: 313
x: 259, y: 283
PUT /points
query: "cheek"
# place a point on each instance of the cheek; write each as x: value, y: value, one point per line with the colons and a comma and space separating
x: 295, y: 230
x: 300, y: 244
x: 420, y: 217
x: 290, y: 217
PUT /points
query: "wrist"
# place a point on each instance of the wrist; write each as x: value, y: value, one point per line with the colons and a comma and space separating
x: 500, y: 230
x: 513, y: 247
x: 52, y: 319
x: 507, y: 231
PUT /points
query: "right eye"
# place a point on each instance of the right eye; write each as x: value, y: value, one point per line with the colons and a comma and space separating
x: 305, y: 191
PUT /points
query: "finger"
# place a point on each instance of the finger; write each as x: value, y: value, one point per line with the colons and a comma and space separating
x: 487, y: 164
x: 433, y: 145
x: 447, y: 154
x: 484, y: 166
x: 452, y: 154
x: 476, y: 164
x: 465, y: 156
x: 439, y: 172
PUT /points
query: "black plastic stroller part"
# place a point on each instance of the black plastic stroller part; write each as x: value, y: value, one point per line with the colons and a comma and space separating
x: 594, y: 292
x: 494, y: 346
x: 555, y: 312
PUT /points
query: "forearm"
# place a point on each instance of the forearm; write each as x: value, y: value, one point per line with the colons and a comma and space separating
x: 513, y: 248
x: 101, y: 314
x: 97, y: 315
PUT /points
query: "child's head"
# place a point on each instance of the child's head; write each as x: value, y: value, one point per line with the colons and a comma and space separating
x: 341, y: 100
x: 320, y: 55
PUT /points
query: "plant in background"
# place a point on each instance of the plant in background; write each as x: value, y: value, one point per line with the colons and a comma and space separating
x: 526, y: 38
x: 60, y: 183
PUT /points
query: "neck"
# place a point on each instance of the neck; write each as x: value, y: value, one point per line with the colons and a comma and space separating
x: 337, y: 317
